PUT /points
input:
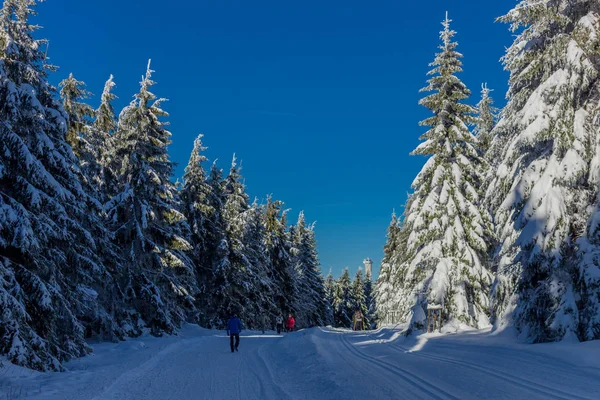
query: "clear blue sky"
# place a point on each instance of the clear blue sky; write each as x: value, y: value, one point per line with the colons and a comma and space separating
x: 318, y: 98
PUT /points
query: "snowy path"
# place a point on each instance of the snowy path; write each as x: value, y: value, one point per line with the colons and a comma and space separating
x: 464, y: 366
x: 318, y: 364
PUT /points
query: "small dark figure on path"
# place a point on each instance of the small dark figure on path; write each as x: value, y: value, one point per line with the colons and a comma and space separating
x: 234, y: 327
x: 290, y: 323
x: 279, y: 323
x: 358, y: 324
x: 264, y: 322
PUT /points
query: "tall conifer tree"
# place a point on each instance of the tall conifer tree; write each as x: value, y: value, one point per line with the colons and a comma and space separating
x: 262, y: 307
x: 50, y: 272
x: 101, y: 140
x: 486, y: 119
x: 278, y: 247
x: 359, y: 298
x: 547, y: 145
x: 80, y: 114
x: 384, y: 286
x: 329, y: 298
x: 88, y: 143
x: 199, y: 209
x: 446, y: 262
x: 342, y: 301
x: 371, y: 304
x: 311, y: 295
x: 236, y: 204
x: 144, y: 215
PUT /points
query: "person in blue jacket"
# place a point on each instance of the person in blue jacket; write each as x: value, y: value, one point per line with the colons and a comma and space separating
x: 234, y: 327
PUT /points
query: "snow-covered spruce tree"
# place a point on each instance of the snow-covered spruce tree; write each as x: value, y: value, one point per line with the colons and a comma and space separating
x: 547, y: 283
x: 299, y: 300
x: 236, y: 200
x: 294, y: 283
x: 51, y: 273
x: 486, y: 118
x: 158, y: 278
x: 312, y: 306
x: 215, y: 306
x: 237, y: 285
x: 261, y: 304
x: 233, y: 277
x: 446, y: 261
x: 106, y: 121
x: 315, y: 278
x: 202, y: 213
x: 400, y: 251
x: 371, y: 315
x: 384, y: 288
x: 329, y: 286
x: 342, y: 301
x: 279, y: 247
x: 87, y: 142
x: 391, y: 277
x: 80, y: 114
x: 100, y: 141
x: 359, y: 299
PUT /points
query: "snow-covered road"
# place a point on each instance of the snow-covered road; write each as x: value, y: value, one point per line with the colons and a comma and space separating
x: 318, y: 364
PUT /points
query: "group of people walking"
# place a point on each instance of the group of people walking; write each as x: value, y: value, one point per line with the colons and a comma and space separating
x: 234, y: 327
x: 290, y: 323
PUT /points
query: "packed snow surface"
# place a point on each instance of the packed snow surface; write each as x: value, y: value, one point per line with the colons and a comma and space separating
x: 319, y: 363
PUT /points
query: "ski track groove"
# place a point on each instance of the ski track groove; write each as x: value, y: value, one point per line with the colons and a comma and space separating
x: 261, y: 387
x: 522, y: 354
x: 261, y: 394
x: 211, y: 387
x: 283, y: 394
x: 408, y: 377
x: 537, y: 388
x: 239, y: 378
x: 135, y: 373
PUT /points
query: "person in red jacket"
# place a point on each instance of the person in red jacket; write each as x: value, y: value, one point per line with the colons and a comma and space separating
x: 289, y: 323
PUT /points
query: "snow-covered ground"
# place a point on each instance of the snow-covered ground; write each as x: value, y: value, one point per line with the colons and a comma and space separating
x: 318, y: 364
